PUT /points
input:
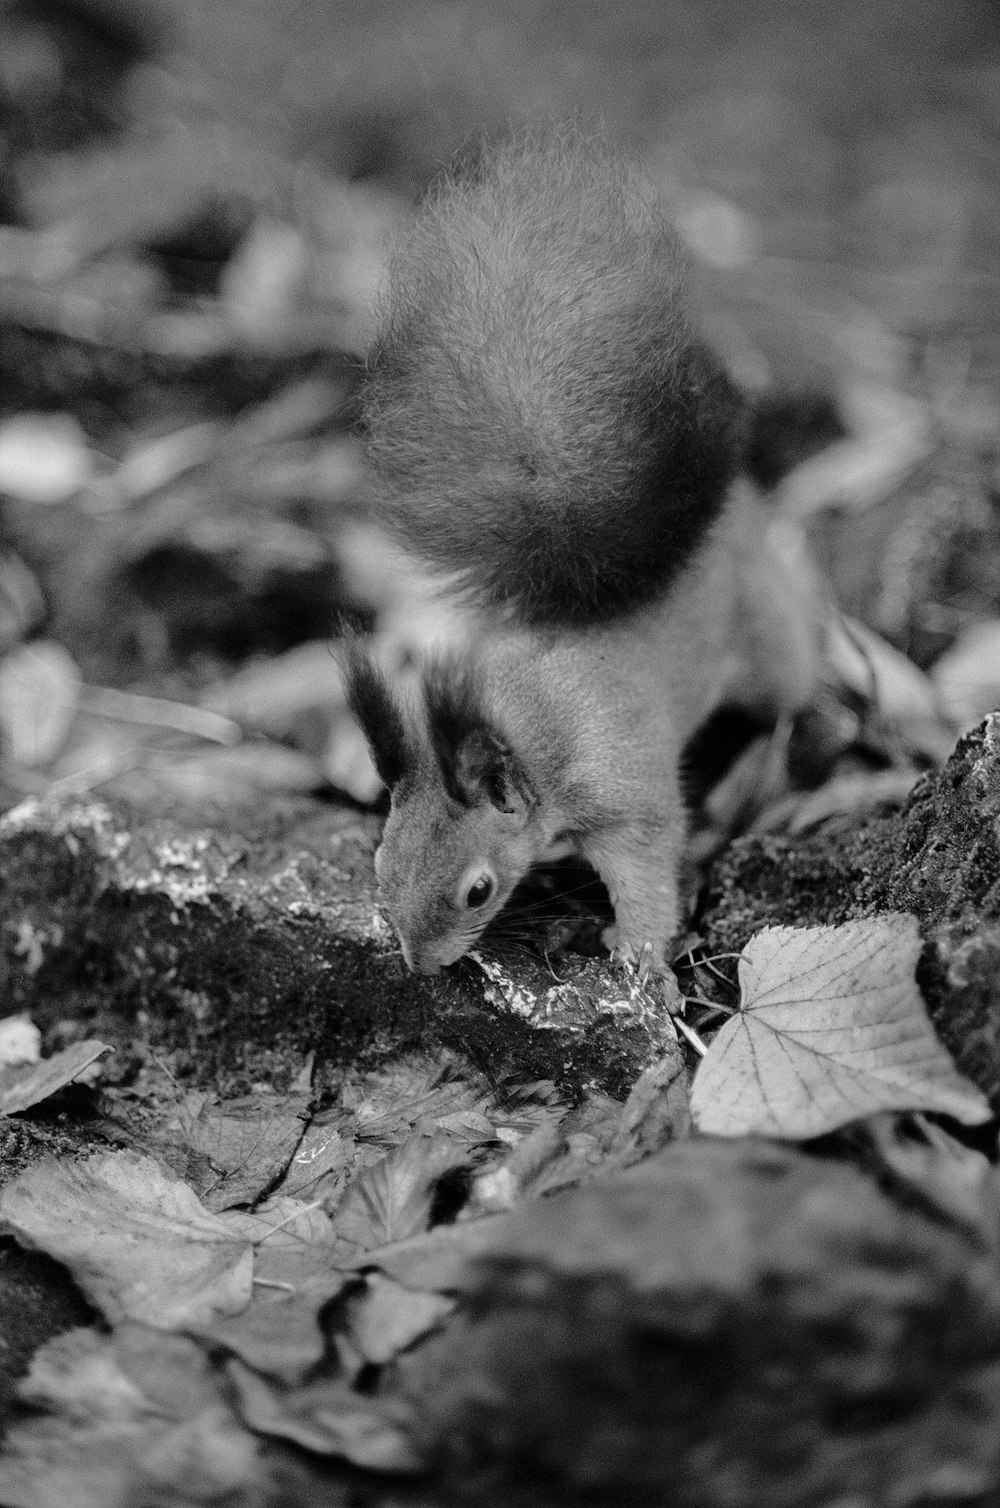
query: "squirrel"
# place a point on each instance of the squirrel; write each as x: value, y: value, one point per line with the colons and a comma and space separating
x: 549, y: 436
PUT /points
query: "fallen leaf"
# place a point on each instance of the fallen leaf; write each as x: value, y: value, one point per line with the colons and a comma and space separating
x: 157, y: 712
x: 108, y: 1376
x: 22, y: 605
x: 384, y: 1318
x: 503, y: 1186
x: 249, y: 1143
x: 855, y: 474
x: 393, y: 1199
x: 136, y: 1417
x: 154, y: 463
x: 231, y: 776
x: 43, y: 457
x: 414, y: 1092
x: 280, y: 1335
x: 121, y: 195
x: 78, y: 1373
x: 593, y: 1142
x: 657, y: 1111
x: 26, y: 1084
x: 756, y: 777
x: 330, y: 1419
x: 900, y: 691
x: 438, y: 1261
x: 470, y: 1126
x: 843, y: 795
x: 39, y: 697
x: 347, y: 761
x: 294, y: 411
x: 319, y: 1165
x: 271, y: 695
x: 293, y: 1241
x: 831, y: 1027
x: 712, y: 1320
x: 136, y: 1239
x: 967, y: 675
x: 20, y: 1041
x: 262, y: 280
x: 97, y: 754
x: 957, y: 1181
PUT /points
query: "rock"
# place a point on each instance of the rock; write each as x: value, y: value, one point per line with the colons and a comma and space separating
x: 247, y: 943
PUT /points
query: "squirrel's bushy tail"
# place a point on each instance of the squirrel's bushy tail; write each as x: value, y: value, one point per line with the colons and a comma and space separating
x: 540, y: 419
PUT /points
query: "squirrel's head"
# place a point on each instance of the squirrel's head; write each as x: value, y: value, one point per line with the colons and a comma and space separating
x: 462, y: 830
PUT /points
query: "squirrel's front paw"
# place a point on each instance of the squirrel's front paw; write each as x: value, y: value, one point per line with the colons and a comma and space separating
x: 647, y: 962
x: 636, y: 956
x: 644, y: 959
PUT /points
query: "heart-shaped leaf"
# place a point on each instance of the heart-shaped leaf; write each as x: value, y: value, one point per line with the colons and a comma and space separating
x: 832, y: 1026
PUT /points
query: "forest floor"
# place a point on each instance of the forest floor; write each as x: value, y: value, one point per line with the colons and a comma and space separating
x: 281, y: 1224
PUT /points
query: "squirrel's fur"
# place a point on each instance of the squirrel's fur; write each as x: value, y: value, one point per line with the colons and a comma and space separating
x: 540, y: 419
x: 546, y: 431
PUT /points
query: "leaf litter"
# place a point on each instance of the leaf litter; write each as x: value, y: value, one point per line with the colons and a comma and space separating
x: 393, y: 1199
x: 129, y: 1418
x: 508, y: 1156
x: 330, y: 1418
x: 363, y: 1227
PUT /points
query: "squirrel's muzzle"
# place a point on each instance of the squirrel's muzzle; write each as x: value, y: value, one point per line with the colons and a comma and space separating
x: 421, y: 960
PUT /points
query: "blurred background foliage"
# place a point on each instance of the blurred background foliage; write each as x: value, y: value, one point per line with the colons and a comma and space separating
x: 195, y: 196
x: 856, y: 137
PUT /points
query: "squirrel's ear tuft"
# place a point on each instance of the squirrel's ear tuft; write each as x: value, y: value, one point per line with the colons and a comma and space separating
x: 474, y: 761
x: 370, y: 698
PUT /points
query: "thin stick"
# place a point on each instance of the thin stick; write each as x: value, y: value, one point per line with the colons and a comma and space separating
x: 691, y: 1035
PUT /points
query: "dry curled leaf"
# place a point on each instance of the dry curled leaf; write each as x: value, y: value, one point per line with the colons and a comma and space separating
x: 136, y: 1239
x: 967, y: 675
x: 39, y: 697
x: 501, y: 1187
x: 137, y: 1417
x: 438, y: 1260
x: 657, y: 1111
x: 20, y: 1042
x: 249, y: 1143
x: 281, y: 1335
x: 44, y: 458
x: 22, y: 605
x: 23, y: 1084
x: 393, y: 1200
x: 831, y: 1027
x: 383, y: 1318
x: 329, y: 1418
x: 920, y: 1157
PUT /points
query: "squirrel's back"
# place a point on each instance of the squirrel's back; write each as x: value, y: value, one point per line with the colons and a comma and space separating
x: 540, y: 418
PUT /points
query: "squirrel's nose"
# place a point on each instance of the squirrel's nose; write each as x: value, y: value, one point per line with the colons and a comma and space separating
x: 419, y: 962
x: 426, y: 966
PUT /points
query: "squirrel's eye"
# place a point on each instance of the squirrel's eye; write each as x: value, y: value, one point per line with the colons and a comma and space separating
x: 479, y: 891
